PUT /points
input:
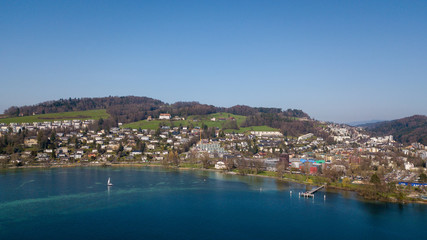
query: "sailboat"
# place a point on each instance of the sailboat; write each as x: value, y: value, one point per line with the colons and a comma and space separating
x: 109, y: 182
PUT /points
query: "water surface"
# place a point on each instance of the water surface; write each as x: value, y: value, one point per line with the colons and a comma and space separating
x: 156, y: 203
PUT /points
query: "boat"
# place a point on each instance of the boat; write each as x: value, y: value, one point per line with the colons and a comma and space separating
x: 109, y: 182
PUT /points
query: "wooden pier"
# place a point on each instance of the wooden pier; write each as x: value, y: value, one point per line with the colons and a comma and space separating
x: 311, y: 193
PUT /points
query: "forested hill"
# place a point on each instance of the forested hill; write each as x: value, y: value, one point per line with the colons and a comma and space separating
x: 132, y: 108
x: 405, y: 130
x: 81, y: 104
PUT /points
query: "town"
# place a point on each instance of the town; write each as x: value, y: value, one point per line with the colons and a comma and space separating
x: 349, y: 156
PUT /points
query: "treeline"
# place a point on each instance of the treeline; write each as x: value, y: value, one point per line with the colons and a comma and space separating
x: 130, y: 108
x: 248, y: 111
x: 83, y: 104
x: 10, y: 144
x: 405, y: 130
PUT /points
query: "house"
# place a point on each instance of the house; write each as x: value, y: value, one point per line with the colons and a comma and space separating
x: 305, y: 136
x: 267, y: 133
x: 220, y: 165
x: 31, y: 141
x: 145, y: 138
x: 165, y: 116
x: 176, y: 118
x: 135, y: 153
x: 408, y: 165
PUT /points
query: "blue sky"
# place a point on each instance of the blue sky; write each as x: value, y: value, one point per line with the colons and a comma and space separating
x: 339, y: 61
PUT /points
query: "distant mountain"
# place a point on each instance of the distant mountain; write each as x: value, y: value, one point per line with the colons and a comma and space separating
x: 404, y: 130
x: 363, y: 123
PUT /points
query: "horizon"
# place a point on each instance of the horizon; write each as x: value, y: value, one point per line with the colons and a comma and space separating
x: 337, y: 61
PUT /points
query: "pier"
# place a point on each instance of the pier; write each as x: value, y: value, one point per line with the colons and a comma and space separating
x: 311, y: 192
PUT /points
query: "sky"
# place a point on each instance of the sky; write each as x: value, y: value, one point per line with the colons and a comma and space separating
x: 338, y: 61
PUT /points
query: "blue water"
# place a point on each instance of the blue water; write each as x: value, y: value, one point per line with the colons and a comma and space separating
x: 156, y: 203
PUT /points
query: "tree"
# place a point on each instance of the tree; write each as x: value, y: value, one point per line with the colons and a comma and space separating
x: 229, y: 163
x: 346, y: 182
x: 192, y: 156
x: 43, y: 141
x: 375, y: 179
x: 53, y: 137
x: 242, y: 166
x: 206, y: 160
x: 423, y: 177
x: 142, y: 147
x: 172, y: 158
x: 280, y: 168
x: 332, y: 174
x: 121, y: 148
x: 4, y: 162
x: 258, y: 165
x: 221, y: 134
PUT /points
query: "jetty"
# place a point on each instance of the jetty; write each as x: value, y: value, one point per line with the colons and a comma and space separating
x: 311, y: 192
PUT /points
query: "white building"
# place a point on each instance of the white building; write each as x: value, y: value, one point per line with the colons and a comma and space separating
x: 306, y: 136
x: 267, y: 133
x: 220, y: 165
x: 409, y: 166
x: 165, y: 116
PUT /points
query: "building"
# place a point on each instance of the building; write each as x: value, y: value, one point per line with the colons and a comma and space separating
x: 165, y: 116
x: 220, y: 165
x: 306, y: 136
x: 211, y: 148
x: 31, y: 141
x: 267, y: 133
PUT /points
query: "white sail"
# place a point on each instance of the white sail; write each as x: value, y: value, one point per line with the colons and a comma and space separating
x: 109, y: 182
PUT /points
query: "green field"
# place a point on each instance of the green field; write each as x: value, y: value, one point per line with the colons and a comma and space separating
x: 195, y: 120
x: 252, y: 128
x: 198, y: 121
x: 50, y: 117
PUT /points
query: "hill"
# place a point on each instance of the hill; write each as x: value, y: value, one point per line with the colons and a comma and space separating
x: 132, y: 111
x: 362, y: 123
x: 404, y: 130
x: 131, y: 108
x: 203, y: 120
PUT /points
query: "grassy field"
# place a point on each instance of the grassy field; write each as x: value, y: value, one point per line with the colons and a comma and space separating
x: 195, y: 120
x: 252, y: 128
x: 50, y: 117
x: 198, y: 121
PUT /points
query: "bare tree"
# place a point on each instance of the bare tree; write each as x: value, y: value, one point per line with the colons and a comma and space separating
x: 229, y: 163
x: 242, y: 166
x: 192, y: 156
x: 259, y: 165
x: 206, y: 160
x: 280, y: 168
x: 173, y: 158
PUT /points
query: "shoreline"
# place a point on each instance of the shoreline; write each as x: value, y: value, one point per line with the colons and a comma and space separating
x: 209, y: 170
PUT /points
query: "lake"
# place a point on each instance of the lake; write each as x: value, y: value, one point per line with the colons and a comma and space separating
x: 157, y: 203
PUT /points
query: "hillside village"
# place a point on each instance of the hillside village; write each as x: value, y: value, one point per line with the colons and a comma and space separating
x: 348, y: 153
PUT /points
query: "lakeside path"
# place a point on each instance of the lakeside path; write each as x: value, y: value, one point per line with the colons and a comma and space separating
x: 118, y: 165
